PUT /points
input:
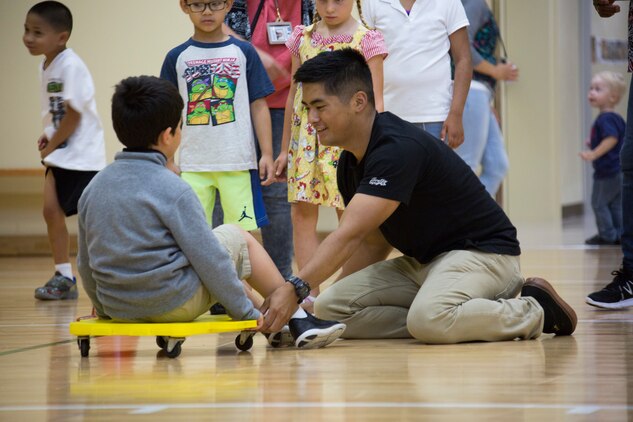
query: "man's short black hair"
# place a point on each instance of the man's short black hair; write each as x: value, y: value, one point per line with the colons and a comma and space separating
x: 342, y: 72
x: 56, y: 14
x: 143, y: 107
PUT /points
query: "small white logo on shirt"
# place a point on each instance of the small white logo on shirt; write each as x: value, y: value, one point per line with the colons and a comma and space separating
x: 378, y: 182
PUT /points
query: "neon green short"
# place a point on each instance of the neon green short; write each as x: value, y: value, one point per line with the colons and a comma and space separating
x: 240, y: 196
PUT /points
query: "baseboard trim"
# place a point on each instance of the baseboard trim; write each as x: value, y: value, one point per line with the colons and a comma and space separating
x: 573, y: 210
x: 36, y: 245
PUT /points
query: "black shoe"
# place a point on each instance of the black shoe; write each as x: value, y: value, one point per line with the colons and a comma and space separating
x: 311, y: 332
x: 217, y: 309
x: 560, y: 318
x: 616, y: 295
x: 600, y: 241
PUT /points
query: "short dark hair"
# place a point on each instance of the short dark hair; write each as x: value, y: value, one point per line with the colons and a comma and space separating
x: 56, y: 14
x: 143, y: 107
x: 342, y: 72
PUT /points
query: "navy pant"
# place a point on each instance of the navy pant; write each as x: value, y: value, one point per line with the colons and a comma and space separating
x: 626, y: 158
x: 606, y: 201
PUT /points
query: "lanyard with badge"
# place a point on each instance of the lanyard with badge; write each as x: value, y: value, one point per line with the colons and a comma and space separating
x: 278, y: 31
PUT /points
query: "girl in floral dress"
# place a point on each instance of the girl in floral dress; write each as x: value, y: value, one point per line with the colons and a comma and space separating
x: 311, y: 167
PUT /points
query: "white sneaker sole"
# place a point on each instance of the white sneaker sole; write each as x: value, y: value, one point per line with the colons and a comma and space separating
x: 616, y: 305
x: 319, y: 337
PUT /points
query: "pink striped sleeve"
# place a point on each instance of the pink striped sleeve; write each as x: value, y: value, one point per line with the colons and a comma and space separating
x: 295, y: 40
x: 373, y: 44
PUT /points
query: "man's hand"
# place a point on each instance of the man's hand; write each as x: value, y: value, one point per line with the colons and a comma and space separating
x: 453, y: 131
x: 606, y: 8
x: 278, y: 308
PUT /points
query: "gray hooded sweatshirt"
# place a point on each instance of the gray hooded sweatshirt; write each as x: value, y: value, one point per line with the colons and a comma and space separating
x: 145, y: 246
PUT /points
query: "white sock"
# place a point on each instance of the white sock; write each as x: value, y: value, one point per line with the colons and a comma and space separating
x: 65, y: 269
x: 300, y: 313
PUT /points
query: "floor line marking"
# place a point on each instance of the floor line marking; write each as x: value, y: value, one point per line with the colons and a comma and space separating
x: 146, y: 410
x: 37, y: 346
x: 152, y: 408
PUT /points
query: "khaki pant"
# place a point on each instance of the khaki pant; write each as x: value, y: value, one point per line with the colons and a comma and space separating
x: 233, y: 240
x: 459, y: 296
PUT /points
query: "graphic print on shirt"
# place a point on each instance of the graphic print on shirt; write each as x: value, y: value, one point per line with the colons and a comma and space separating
x: 56, y: 103
x: 211, y: 85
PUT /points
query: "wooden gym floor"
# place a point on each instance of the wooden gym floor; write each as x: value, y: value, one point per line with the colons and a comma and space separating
x: 585, y: 377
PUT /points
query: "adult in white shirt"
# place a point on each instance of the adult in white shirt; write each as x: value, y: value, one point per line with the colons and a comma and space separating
x: 418, y: 86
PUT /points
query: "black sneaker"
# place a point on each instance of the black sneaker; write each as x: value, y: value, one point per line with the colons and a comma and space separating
x: 616, y: 295
x: 57, y: 288
x: 311, y: 332
x: 600, y: 241
x: 560, y: 318
x: 281, y: 338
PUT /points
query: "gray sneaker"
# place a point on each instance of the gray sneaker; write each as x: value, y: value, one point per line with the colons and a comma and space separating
x: 57, y: 288
x: 280, y: 339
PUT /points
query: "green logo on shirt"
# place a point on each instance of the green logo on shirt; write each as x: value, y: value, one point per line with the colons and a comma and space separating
x: 55, y: 86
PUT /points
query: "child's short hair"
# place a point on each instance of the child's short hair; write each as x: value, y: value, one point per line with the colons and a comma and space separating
x: 342, y: 73
x: 55, y: 13
x: 615, y: 82
x: 142, y: 108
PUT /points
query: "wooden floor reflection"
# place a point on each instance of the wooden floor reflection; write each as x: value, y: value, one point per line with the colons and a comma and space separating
x: 583, y: 377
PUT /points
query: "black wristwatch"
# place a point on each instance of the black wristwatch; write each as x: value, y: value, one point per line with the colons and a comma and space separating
x: 302, y: 288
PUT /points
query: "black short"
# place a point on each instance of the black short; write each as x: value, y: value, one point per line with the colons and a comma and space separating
x: 69, y: 185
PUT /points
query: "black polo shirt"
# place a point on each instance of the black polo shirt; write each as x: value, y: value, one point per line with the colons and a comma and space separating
x: 443, y: 206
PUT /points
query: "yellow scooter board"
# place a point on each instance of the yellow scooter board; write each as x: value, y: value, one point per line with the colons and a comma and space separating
x: 169, y: 336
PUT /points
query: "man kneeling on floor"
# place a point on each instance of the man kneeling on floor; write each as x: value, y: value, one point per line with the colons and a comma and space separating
x: 459, y: 277
x: 146, y: 253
